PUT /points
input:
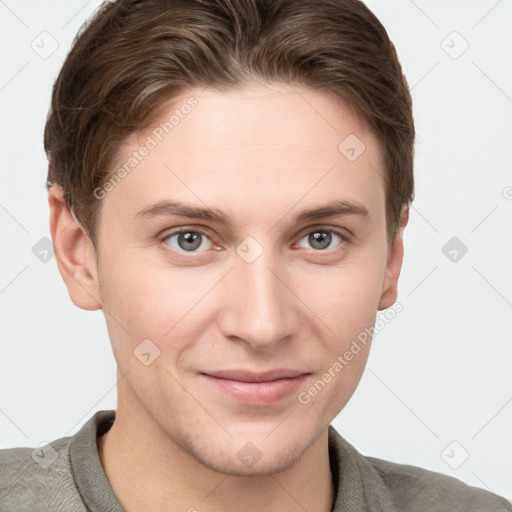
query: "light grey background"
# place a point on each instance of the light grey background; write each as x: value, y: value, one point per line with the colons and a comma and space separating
x: 438, y: 386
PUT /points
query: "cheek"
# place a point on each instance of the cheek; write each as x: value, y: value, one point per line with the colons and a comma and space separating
x: 348, y: 306
x: 346, y: 298
x: 137, y: 289
x: 147, y: 299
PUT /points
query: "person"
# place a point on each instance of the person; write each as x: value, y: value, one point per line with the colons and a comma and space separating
x: 229, y: 182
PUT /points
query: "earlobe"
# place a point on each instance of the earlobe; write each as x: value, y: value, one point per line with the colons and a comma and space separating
x: 394, y: 264
x: 74, y: 253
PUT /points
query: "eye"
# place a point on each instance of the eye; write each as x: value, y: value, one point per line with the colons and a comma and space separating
x: 321, y: 239
x: 197, y: 241
x: 188, y: 240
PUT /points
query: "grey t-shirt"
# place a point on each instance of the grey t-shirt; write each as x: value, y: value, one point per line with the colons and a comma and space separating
x: 67, y: 475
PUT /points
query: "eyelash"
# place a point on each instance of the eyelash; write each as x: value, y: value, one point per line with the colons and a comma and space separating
x: 344, y: 240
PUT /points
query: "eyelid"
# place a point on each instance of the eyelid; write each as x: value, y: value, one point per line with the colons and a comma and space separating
x: 341, y: 232
x: 345, y: 238
x: 184, y: 229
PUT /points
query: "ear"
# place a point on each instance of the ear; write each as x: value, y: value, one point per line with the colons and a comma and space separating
x: 394, y: 264
x: 74, y: 252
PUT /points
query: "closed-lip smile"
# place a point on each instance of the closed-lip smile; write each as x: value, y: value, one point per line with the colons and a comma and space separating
x: 256, y: 388
x: 248, y: 376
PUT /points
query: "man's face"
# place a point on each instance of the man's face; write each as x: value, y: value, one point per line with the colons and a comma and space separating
x: 266, y: 291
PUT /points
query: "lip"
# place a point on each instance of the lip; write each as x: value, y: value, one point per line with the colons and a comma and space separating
x: 256, y: 389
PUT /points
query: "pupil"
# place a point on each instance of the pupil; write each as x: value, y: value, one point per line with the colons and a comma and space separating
x: 190, y: 239
x: 322, y: 237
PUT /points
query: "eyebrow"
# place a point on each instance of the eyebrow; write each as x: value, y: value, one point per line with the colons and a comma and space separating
x: 167, y: 208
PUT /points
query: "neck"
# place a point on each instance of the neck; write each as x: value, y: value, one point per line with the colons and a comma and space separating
x: 149, y: 471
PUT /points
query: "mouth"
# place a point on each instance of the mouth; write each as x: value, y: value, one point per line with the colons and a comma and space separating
x: 256, y: 389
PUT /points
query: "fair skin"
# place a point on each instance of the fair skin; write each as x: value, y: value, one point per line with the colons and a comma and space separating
x: 261, y: 156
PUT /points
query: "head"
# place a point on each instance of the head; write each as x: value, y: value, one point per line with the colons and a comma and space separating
x: 245, y: 115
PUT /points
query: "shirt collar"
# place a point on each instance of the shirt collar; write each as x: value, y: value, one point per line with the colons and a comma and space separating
x: 358, y: 486
x: 90, y: 477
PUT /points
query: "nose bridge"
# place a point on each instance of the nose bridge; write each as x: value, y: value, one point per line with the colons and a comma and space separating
x: 259, y: 304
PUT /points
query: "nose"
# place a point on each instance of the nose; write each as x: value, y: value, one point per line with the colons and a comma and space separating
x: 258, y: 307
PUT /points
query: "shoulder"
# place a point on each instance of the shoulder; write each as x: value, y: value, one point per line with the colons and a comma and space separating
x: 382, y: 485
x: 417, y: 489
x: 40, y: 478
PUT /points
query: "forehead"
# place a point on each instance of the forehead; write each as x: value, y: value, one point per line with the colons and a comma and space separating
x: 273, y: 142
x: 271, y: 114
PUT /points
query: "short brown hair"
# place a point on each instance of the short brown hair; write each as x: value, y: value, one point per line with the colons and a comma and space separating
x: 133, y: 56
